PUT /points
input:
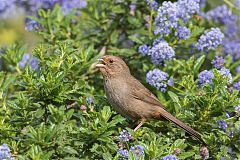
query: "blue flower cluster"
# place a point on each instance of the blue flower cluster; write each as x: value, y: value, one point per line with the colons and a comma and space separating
x: 210, y: 40
x: 66, y: 6
x: 32, y: 6
x: 226, y: 74
x: 33, y: 62
x: 5, y: 152
x: 123, y: 153
x: 143, y: 49
x: 159, y: 52
x: 231, y: 30
x: 202, y: 3
x: 153, y: 4
x: 124, y: 136
x: 171, y: 13
x: 5, y: 4
x: 31, y: 25
x: 169, y: 157
x: 237, y: 4
x: 218, y: 62
x: 221, y: 14
x: 232, y: 47
x: 238, y: 69
x: 138, y: 150
x: 222, y: 124
x: 205, y: 77
x: 182, y: 33
x: 159, y: 79
x: 236, y: 86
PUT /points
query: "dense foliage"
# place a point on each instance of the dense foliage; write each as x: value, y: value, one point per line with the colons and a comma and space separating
x: 186, y: 52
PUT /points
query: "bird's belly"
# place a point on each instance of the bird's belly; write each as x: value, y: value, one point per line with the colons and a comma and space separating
x: 120, y: 101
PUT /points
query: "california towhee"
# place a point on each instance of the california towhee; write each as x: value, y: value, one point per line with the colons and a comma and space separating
x: 130, y: 98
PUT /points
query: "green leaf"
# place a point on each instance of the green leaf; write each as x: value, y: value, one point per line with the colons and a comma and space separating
x: 136, y: 39
x: 237, y: 125
x: 174, y: 98
x: 185, y: 155
x: 198, y: 64
x: 70, y: 150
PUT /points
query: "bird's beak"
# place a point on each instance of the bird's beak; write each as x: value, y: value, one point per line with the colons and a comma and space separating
x: 100, y: 65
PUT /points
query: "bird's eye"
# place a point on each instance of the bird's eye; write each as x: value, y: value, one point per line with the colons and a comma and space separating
x: 110, y: 61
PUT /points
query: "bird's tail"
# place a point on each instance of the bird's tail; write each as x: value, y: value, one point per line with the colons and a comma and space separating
x: 168, y: 116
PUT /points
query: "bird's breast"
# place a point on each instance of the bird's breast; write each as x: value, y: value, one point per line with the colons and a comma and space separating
x: 118, y: 93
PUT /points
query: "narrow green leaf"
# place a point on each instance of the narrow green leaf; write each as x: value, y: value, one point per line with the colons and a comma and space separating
x: 198, y: 63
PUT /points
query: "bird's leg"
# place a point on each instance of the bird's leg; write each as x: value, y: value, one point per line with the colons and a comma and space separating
x: 140, y: 124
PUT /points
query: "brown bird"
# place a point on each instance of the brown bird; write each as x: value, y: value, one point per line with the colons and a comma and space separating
x: 130, y: 98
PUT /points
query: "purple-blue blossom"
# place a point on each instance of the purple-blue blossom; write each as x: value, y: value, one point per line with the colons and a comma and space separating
x: 205, y: 77
x: 169, y: 157
x: 24, y: 60
x: 153, y: 4
x: 143, y: 49
x: 170, y: 82
x: 226, y: 74
x: 237, y: 109
x: 231, y: 30
x: 158, y: 79
x: 138, y: 150
x: 167, y: 18
x: 32, y: 6
x: 5, y: 4
x: 222, y: 124
x: 221, y: 14
x: 33, y: 63
x: 171, y: 13
x: 161, y: 52
x: 132, y: 7
x: 236, y: 86
x: 89, y: 100
x: 238, y: 69
x: 31, y: 25
x: 210, y: 40
x: 123, y: 153
x: 218, y: 62
x: 186, y: 8
x: 202, y: 3
x: 5, y: 152
x: 124, y: 136
x: 231, y: 47
x: 237, y: 4
x: 68, y: 6
x: 182, y: 32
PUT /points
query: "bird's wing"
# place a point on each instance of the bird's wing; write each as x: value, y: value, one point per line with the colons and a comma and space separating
x: 140, y: 92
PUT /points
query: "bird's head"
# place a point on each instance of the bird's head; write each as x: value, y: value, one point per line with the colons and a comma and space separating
x: 112, y: 66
